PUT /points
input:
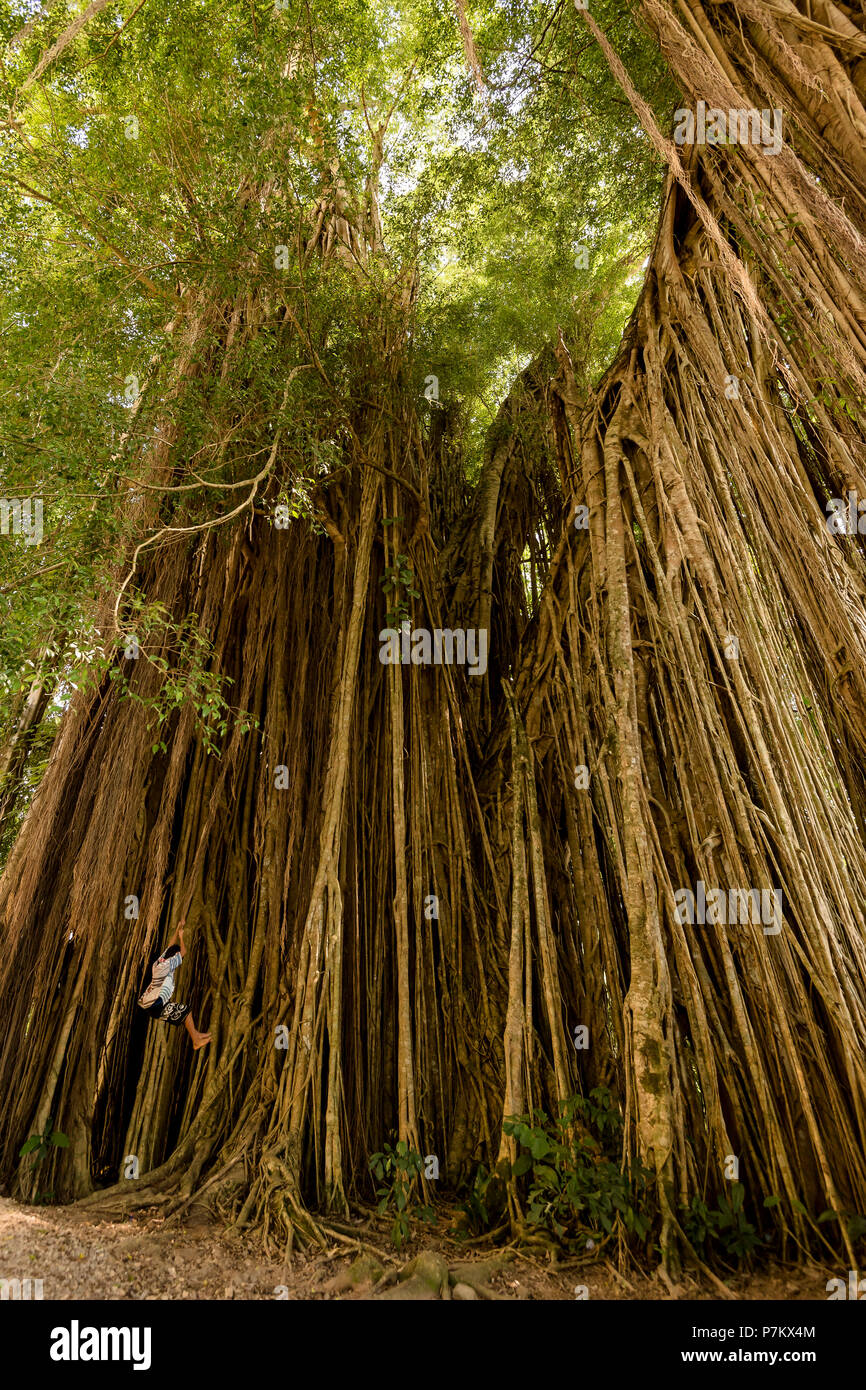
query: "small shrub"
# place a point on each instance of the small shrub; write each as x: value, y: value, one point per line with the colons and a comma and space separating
x: 726, y: 1226
x: 39, y: 1144
x: 476, y: 1208
x: 398, y: 1170
x: 578, y: 1186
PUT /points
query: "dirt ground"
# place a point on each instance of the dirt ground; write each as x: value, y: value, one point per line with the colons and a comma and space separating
x: 77, y: 1257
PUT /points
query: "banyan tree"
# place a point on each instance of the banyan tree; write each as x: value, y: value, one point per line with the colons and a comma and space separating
x: 621, y: 846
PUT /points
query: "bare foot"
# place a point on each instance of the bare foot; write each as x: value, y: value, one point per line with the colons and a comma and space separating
x: 200, y: 1040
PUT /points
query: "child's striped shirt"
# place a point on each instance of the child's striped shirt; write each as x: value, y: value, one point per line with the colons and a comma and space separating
x: 162, y: 980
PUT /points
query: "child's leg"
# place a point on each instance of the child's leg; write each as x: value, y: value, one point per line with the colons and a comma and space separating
x: 198, y: 1039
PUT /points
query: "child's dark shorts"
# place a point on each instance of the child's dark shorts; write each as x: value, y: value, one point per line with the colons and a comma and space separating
x: 167, y: 1013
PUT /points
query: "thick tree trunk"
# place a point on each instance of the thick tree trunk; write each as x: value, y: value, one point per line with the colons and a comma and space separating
x: 689, y: 705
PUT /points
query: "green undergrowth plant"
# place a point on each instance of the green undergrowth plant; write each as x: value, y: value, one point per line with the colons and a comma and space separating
x: 724, y: 1229
x: 730, y: 1233
x: 852, y: 1222
x: 401, y: 579
x: 573, y: 1189
x: 476, y: 1206
x: 397, y: 1171
x: 40, y: 1145
x: 573, y: 1180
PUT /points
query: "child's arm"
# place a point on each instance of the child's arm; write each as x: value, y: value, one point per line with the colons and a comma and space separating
x: 178, y: 936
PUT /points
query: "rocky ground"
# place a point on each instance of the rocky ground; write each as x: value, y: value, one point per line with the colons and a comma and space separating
x: 77, y: 1256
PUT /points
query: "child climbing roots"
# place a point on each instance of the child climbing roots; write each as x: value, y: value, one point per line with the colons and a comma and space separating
x: 156, y: 1000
